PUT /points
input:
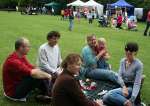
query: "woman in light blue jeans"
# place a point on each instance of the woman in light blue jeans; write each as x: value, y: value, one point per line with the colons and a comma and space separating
x: 130, y: 71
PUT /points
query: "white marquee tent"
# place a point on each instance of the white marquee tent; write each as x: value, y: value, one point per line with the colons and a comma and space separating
x: 76, y: 3
x: 93, y: 4
x: 90, y: 4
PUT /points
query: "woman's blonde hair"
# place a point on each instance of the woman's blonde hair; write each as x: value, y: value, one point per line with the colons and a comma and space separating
x: 102, y: 40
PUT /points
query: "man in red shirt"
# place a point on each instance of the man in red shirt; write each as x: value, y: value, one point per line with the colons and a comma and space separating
x: 19, y: 76
x: 148, y: 24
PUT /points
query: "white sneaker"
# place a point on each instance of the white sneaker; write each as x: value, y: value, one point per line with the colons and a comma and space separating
x: 143, y: 104
x: 103, y: 92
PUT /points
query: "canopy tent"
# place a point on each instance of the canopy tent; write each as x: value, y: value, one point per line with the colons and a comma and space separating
x: 122, y: 4
x: 56, y: 6
x: 92, y: 3
x: 52, y: 4
x: 76, y: 3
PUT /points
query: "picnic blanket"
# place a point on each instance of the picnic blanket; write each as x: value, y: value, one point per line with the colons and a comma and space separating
x: 101, y: 88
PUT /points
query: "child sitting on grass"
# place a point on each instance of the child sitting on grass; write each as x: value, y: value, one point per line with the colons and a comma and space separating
x: 102, y: 47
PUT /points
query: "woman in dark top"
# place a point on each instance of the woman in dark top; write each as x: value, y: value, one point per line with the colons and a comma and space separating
x: 66, y: 90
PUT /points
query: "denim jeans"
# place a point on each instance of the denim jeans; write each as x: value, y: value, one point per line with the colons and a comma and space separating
x: 102, y: 64
x: 115, y: 97
x: 100, y: 74
x: 70, y: 24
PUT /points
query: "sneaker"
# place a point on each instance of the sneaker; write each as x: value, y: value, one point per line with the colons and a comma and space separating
x: 145, y: 34
x: 140, y: 104
x: 143, y: 104
x: 43, y: 99
x: 103, y: 92
x: 14, y: 99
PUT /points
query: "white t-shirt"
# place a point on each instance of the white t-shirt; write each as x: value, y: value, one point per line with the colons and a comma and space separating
x: 49, y: 58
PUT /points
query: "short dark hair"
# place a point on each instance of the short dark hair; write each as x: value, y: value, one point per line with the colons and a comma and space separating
x: 132, y: 47
x: 19, y: 43
x: 53, y: 34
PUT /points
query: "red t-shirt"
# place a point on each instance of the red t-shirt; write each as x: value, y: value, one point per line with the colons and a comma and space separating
x: 148, y: 16
x: 119, y: 19
x: 66, y: 12
x: 14, y: 69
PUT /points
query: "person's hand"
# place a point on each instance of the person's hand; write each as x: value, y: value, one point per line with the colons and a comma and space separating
x: 128, y: 103
x: 54, y: 75
x: 102, y: 52
x: 125, y: 91
x: 59, y: 71
x: 49, y: 77
x: 88, y: 80
x: 100, y: 102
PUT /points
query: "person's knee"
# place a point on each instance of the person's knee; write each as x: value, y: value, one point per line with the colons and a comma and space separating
x: 113, y: 75
x: 107, y: 97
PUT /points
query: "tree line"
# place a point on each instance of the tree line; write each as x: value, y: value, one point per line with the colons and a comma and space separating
x: 12, y: 3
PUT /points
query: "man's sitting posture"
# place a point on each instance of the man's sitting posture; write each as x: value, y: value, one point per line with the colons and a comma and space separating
x: 49, y: 58
x: 19, y: 76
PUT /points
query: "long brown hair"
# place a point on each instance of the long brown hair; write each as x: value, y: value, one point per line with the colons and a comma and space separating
x: 70, y: 59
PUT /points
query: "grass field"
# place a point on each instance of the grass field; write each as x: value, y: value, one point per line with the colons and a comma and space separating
x: 35, y: 28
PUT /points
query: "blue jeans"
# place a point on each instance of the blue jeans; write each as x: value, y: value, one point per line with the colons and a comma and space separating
x: 100, y: 74
x: 115, y: 97
x: 102, y: 64
x: 70, y: 24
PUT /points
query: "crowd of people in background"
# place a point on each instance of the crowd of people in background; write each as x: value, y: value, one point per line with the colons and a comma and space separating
x: 118, y: 19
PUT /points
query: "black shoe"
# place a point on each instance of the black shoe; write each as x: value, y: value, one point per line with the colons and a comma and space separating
x: 140, y: 104
x: 43, y: 99
x: 145, y: 34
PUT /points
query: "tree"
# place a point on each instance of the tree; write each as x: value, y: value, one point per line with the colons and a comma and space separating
x: 12, y: 3
x: 8, y: 3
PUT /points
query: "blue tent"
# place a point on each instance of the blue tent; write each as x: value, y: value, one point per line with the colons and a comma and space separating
x: 122, y: 4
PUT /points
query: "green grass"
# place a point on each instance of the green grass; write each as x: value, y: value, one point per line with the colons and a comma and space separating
x: 35, y: 28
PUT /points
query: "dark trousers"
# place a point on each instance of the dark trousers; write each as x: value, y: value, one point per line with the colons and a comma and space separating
x: 90, y: 21
x: 119, y: 26
x: 147, y: 27
x: 27, y: 85
x: 138, y: 98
